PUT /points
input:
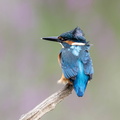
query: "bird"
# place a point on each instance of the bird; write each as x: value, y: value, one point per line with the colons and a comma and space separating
x: 74, y: 59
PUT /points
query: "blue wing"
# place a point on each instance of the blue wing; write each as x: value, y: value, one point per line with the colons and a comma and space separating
x: 77, y: 66
x: 87, y: 61
x: 69, y: 63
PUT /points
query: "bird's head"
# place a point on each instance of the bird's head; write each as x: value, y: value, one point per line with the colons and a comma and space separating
x: 73, y: 37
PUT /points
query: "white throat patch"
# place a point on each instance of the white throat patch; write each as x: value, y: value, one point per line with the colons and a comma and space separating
x: 61, y: 45
x: 76, y: 43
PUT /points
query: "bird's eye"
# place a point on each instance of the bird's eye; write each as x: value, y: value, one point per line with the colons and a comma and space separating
x: 60, y: 38
x: 65, y: 38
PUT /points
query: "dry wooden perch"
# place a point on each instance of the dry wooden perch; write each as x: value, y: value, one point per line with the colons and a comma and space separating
x: 48, y: 104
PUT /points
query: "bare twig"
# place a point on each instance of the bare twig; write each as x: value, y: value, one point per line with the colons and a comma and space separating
x: 48, y: 104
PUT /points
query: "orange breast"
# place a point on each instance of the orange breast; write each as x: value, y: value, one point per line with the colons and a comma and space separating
x: 64, y: 80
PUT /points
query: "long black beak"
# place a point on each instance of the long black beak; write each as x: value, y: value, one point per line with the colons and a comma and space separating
x: 54, y: 39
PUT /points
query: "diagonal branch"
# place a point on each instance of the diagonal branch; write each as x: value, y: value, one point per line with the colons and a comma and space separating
x: 48, y: 104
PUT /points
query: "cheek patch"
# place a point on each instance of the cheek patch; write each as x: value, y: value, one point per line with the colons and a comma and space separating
x: 69, y: 42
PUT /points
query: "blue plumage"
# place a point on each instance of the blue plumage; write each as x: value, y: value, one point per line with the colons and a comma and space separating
x: 81, y: 80
x: 76, y: 65
x: 74, y: 59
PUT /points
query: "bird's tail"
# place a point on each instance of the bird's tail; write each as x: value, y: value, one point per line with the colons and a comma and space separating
x: 80, y: 85
x: 80, y: 82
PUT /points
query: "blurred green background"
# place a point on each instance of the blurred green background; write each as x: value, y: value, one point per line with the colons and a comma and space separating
x: 28, y: 65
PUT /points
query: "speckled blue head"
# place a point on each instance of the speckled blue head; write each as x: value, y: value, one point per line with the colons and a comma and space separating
x: 75, y: 35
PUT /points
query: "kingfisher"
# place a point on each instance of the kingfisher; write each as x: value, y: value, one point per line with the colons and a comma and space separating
x: 74, y: 59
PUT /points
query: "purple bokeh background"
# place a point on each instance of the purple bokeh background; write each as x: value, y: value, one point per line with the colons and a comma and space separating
x: 28, y: 66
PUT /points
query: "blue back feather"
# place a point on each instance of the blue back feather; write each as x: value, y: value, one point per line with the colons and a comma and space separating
x: 81, y: 81
x: 77, y: 66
